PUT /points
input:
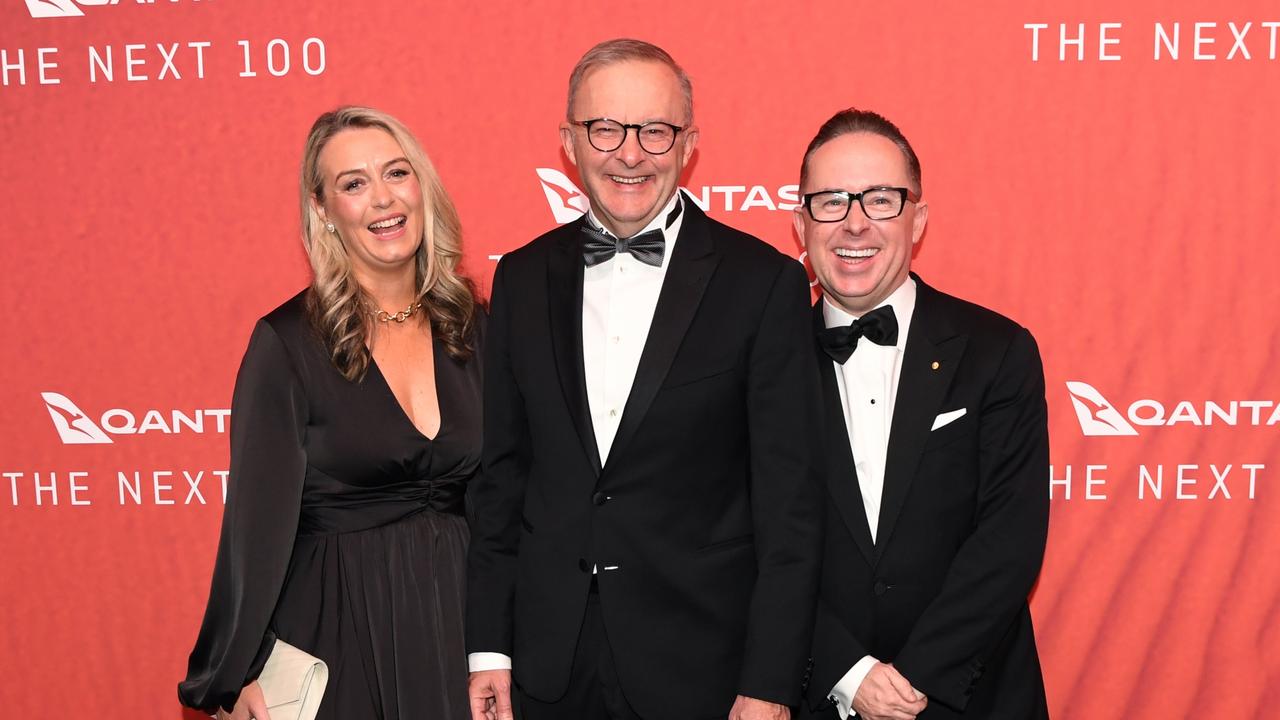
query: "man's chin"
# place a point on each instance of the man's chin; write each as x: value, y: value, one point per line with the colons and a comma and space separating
x: 852, y: 300
x: 631, y: 218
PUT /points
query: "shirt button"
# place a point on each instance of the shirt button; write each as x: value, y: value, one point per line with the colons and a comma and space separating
x: 613, y: 413
x: 615, y: 339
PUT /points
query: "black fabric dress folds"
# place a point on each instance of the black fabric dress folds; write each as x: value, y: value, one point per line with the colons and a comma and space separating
x: 343, y: 532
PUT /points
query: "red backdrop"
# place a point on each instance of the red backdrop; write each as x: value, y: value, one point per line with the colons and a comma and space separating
x: 1104, y: 175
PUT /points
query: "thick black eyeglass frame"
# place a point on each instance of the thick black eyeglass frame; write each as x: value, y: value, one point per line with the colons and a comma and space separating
x: 676, y: 130
x: 906, y: 194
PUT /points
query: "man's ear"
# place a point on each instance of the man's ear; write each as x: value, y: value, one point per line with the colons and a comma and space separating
x: 566, y: 139
x: 919, y: 221
x: 691, y: 135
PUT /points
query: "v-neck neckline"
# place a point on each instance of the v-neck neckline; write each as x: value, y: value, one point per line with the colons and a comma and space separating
x: 435, y: 380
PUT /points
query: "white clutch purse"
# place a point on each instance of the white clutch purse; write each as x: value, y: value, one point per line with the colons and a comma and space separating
x: 293, y: 683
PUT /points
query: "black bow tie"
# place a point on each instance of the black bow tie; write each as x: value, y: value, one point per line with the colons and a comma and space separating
x: 880, y: 326
x: 647, y: 247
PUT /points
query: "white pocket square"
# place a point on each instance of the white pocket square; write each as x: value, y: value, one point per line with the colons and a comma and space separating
x: 947, y: 417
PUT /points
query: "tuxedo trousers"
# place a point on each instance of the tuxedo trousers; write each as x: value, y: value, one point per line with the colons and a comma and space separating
x: 594, y: 692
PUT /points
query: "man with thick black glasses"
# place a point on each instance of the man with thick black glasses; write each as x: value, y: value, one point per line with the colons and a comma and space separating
x: 937, y: 457
x: 646, y: 532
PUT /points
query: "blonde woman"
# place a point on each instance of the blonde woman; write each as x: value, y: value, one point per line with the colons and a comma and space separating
x: 355, y: 430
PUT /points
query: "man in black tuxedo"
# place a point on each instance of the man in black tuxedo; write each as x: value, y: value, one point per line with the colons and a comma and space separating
x: 647, y: 522
x: 937, y: 457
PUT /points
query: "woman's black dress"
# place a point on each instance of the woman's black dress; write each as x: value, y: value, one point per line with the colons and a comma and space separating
x: 343, y: 532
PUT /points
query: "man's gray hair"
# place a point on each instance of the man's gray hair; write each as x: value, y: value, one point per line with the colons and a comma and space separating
x: 624, y: 50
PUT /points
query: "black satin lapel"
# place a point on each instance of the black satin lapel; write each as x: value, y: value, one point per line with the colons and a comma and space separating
x: 692, y: 263
x: 842, y: 474
x: 564, y: 285
x: 921, y: 390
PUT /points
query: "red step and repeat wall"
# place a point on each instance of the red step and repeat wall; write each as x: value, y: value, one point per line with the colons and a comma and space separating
x: 1104, y: 173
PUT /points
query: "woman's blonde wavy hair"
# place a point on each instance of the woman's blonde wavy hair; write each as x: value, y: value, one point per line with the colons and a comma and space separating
x: 340, y: 310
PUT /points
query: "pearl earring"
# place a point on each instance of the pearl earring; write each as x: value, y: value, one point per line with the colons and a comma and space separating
x: 329, y: 226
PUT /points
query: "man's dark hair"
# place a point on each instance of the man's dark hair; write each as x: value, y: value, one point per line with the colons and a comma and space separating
x: 853, y: 120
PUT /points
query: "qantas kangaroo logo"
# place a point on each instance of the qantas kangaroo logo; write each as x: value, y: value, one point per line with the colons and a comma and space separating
x: 73, y: 426
x: 1096, y: 415
x: 566, y: 200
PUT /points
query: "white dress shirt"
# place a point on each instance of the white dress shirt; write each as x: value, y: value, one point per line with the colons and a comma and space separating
x: 618, y: 299
x: 868, y: 387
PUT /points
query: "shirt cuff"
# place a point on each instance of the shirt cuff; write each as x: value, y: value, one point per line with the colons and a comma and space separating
x: 481, y: 661
x: 848, y: 686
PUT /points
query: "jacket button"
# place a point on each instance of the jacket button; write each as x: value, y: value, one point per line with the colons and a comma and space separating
x: 880, y: 588
x: 583, y: 565
x: 599, y: 498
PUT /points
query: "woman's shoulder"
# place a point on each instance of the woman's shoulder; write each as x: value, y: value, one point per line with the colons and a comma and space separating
x: 290, y: 311
x: 287, y: 329
x: 290, y: 320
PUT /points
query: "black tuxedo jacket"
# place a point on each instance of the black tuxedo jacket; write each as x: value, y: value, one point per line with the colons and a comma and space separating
x: 942, y: 593
x: 705, y: 521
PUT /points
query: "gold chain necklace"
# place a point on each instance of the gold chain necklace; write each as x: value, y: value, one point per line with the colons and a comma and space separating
x: 401, y: 316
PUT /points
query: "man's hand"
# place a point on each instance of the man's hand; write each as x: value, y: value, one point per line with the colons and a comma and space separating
x: 886, y: 695
x: 490, y: 693
x: 249, y: 705
x: 745, y: 708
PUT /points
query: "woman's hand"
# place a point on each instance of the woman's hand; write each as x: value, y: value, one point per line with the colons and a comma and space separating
x: 250, y: 705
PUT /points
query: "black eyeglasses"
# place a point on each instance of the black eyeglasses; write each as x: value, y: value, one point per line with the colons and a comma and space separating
x: 605, y: 135
x: 877, y: 203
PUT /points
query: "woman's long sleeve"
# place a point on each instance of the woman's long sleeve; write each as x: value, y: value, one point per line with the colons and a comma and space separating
x: 259, y: 524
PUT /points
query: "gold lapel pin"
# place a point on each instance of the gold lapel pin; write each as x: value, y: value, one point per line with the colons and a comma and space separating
x: 935, y: 365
